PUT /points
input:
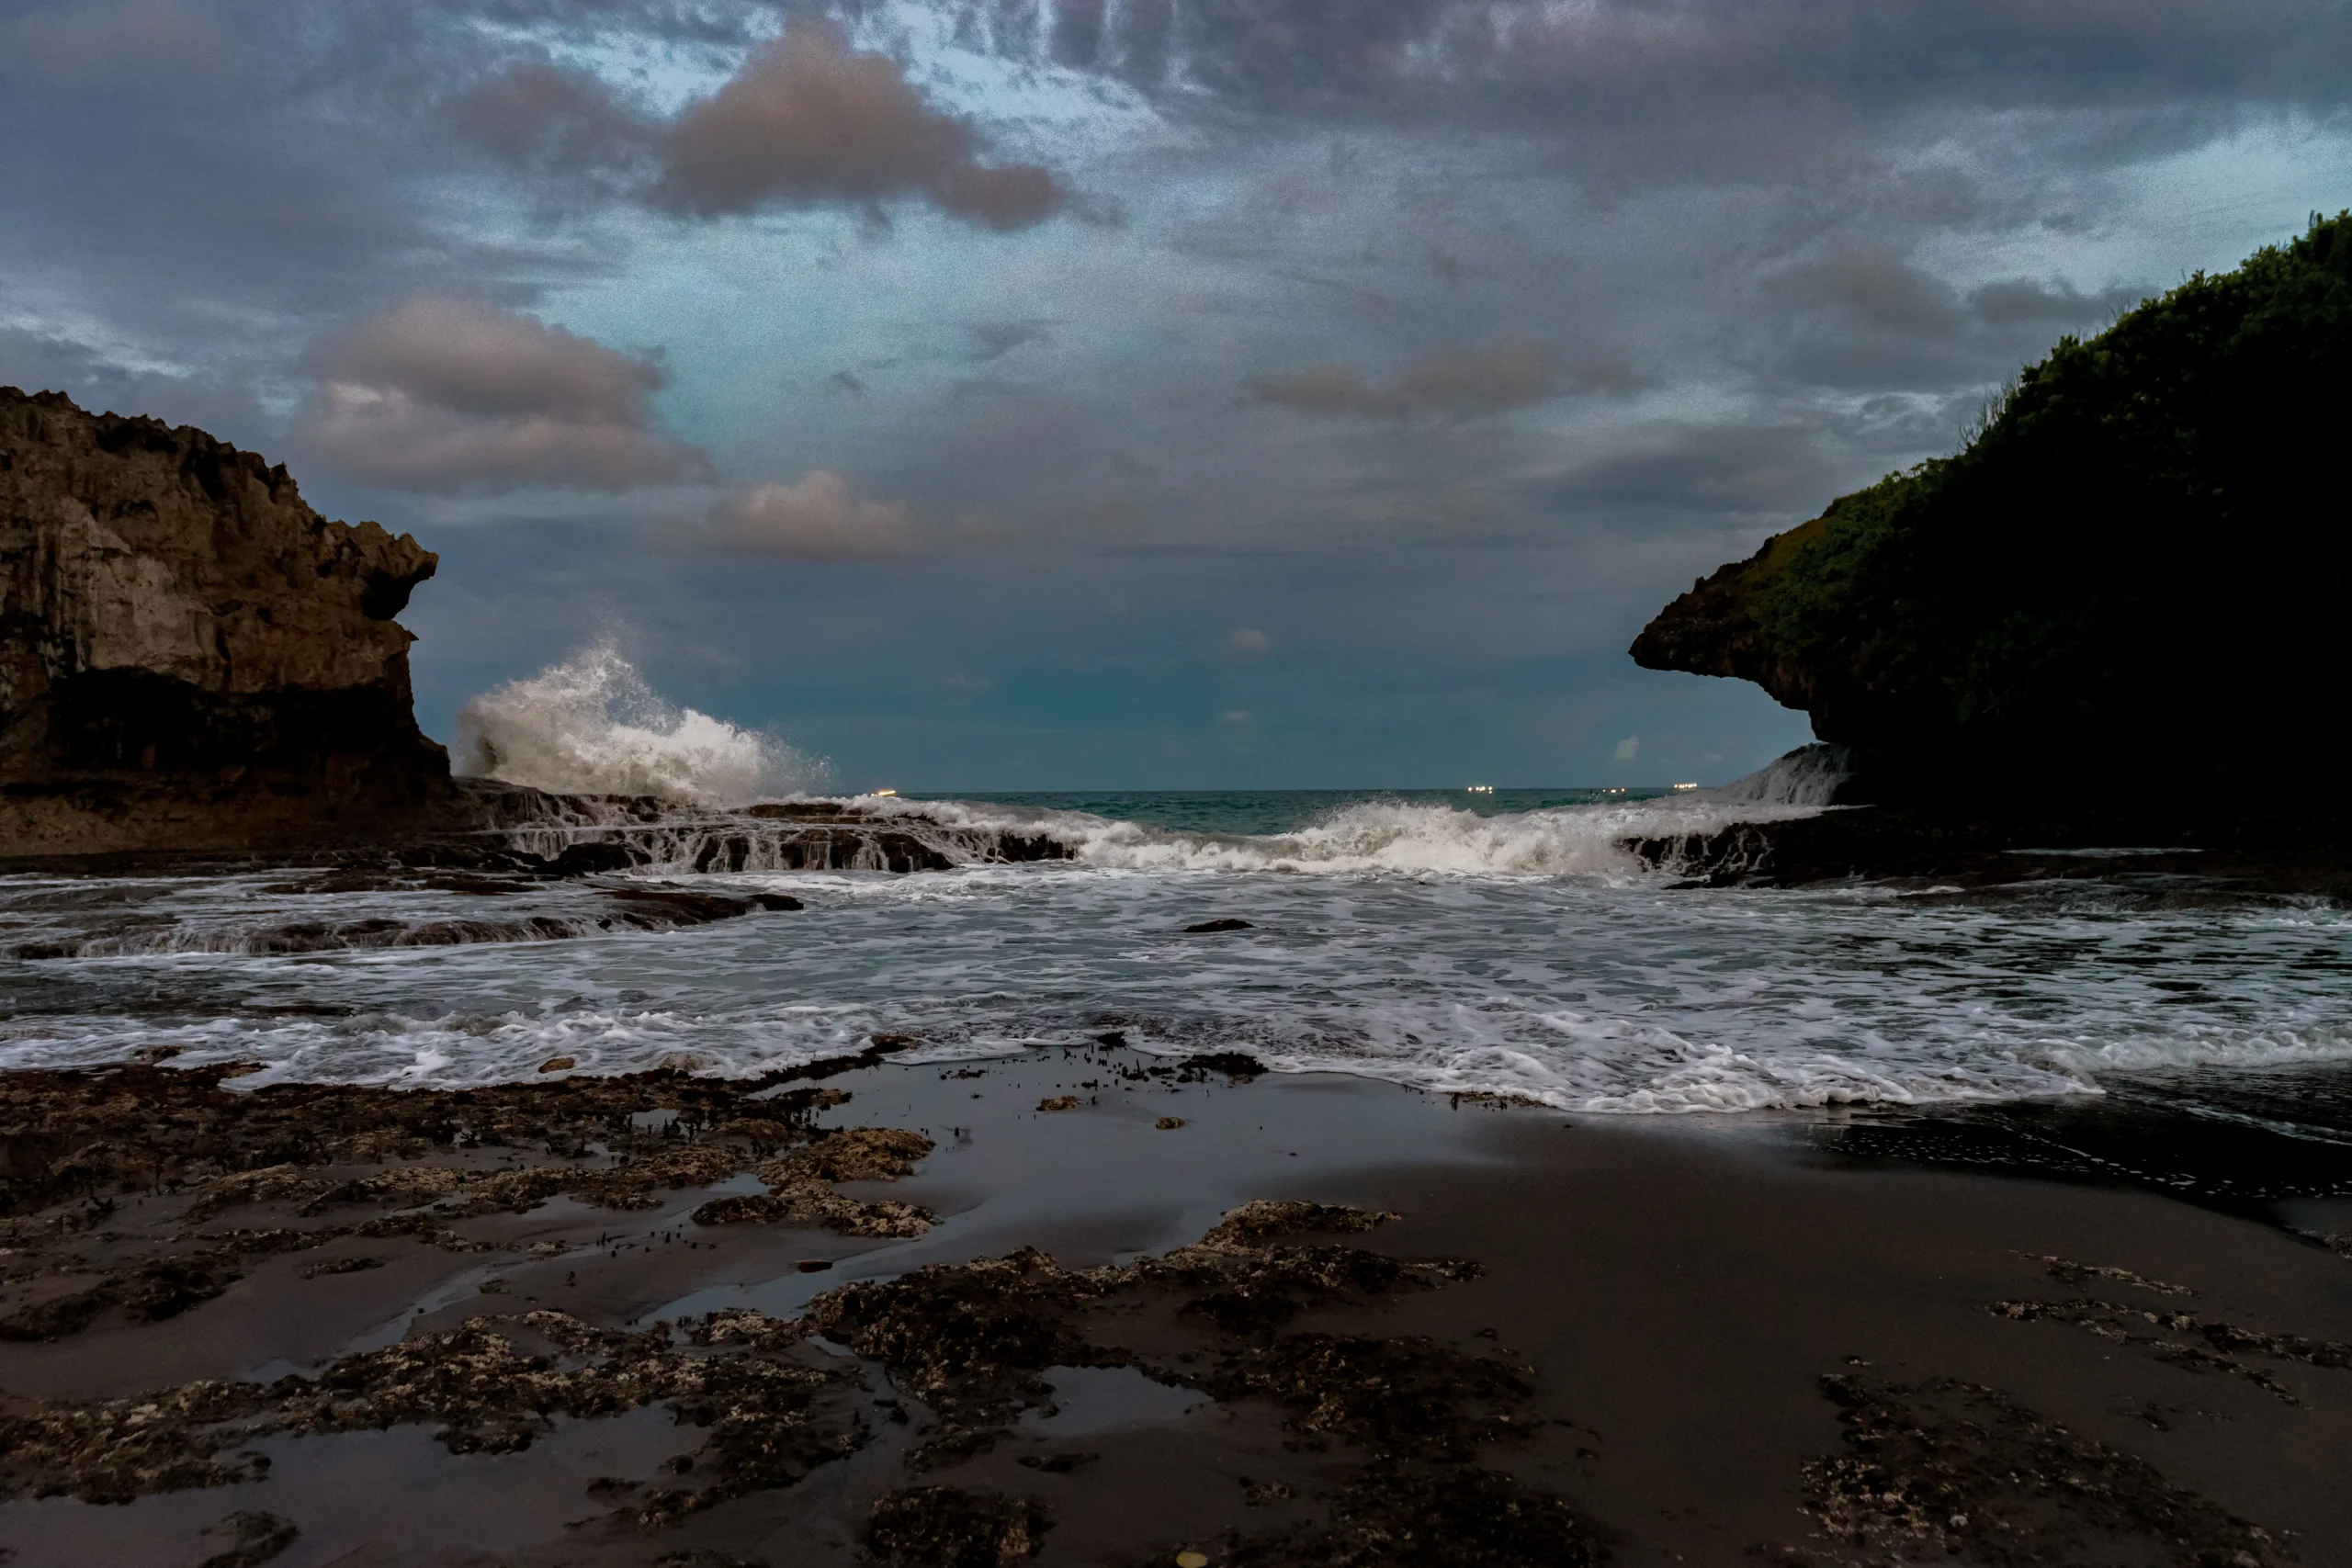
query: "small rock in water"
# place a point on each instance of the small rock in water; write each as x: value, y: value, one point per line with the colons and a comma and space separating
x: 815, y: 1265
x: 558, y: 1064
x: 1227, y: 924
x: 1169, y: 1123
x: 1059, y: 1102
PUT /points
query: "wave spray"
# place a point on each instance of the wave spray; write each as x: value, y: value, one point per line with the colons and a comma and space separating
x: 593, y: 726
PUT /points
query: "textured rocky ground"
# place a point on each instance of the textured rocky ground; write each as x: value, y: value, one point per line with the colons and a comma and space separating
x: 664, y: 1319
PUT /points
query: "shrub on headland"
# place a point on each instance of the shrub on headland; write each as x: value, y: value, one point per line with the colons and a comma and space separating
x: 2136, y: 571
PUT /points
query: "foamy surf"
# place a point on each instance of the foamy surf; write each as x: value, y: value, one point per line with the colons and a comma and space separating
x: 1377, y: 836
x: 1584, y: 993
x: 591, y: 727
x: 1437, y: 941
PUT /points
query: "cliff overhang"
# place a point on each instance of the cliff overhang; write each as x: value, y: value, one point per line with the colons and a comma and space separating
x: 2132, y: 578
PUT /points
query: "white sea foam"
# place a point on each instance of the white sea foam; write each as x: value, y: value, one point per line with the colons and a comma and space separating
x: 1525, y: 953
x: 1384, y: 836
x: 592, y: 726
x: 1584, y: 992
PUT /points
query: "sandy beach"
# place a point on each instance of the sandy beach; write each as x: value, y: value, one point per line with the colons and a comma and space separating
x: 670, y: 1320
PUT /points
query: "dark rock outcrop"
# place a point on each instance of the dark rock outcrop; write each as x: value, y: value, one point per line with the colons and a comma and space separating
x: 2132, y: 582
x: 2194, y: 857
x: 191, y: 658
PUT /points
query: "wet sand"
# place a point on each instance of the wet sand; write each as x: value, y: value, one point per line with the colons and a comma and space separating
x: 1797, y: 1340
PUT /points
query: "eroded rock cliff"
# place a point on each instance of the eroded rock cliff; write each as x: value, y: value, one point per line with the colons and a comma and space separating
x: 2135, y: 579
x: 190, y: 657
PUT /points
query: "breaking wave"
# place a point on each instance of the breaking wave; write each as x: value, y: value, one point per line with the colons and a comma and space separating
x: 1578, y: 993
x: 1377, y: 836
x: 1809, y: 775
x: 592, y: 726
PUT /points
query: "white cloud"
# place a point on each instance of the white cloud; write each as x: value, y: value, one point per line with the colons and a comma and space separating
x: 444, y: 394
x: 819, y: 519
x: 1249, y: 639
x: 1629, y: 749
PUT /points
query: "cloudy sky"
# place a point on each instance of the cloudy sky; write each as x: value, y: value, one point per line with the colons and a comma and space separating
x: 1004, y: 394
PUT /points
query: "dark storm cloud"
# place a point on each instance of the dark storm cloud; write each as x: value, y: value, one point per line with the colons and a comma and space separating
x: 214, y: 180
x: 35, y: 362
x: 1744, y: 469
x: 1720, y: 92
x: 115, y: 40
x: 1873, y: 285
x: 809, y: 119
x: 806, y: 121
x: 553, y: 120
x: 2021, y: 300
x: 227, y: 175
x: 1859, y: 313
x: 994, y: 340
x: 1654, y: 58
x: 453, y: 394
x: 1451, y: 383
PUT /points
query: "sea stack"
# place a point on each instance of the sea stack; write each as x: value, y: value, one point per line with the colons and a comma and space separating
x: 191, y: 658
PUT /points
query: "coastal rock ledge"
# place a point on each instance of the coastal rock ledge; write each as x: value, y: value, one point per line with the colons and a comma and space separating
x: 191, y: 658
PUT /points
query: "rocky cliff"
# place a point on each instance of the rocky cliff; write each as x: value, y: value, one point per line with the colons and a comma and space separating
x: 190, y: 657
x: 2134, y: 579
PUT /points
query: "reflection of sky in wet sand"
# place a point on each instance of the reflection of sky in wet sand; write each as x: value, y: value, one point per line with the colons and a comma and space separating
x: 1102, y: 1182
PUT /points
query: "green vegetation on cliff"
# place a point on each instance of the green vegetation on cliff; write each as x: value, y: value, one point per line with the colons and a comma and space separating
x: 2140, y: 561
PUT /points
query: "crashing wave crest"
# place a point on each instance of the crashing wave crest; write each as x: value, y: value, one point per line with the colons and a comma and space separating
x: 592, y: 726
